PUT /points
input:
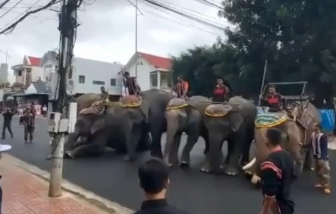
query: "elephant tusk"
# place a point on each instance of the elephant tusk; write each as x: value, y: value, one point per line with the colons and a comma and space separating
x: 249, y: 165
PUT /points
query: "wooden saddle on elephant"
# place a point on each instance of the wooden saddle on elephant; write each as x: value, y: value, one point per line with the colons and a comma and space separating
x: 218, y: 110
x: 176, y: 103
x: 271, y: 119
x: 130, y: 101
x: 302, y: 116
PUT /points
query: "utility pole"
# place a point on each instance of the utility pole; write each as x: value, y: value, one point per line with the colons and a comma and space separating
x: 58, y: 119
x: 136, y: 38
x: 6, y: 54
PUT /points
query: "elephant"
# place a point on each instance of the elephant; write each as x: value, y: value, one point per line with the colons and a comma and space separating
x: 184, y: 116
x: 297, y: 130
x: 232, y: 122
x: 129, y: 123
x: 100, y: 131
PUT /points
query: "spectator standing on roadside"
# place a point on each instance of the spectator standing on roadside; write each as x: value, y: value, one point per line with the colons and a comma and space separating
x: 28, y: 121
x: 321, y: 159
x: 3, y: 148
x: 8, y: 115
x: 44, y: 110
x: 153, y: 176
x: 277, y: 175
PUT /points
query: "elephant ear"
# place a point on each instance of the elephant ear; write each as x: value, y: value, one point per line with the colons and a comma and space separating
x: 236, y: 120
x: 97, y: 126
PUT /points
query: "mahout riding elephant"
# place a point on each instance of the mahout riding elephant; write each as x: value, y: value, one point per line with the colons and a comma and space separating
x: 130, y: 118
x: 184, y: 116
x: 232, y: 122
x: 297, y: 128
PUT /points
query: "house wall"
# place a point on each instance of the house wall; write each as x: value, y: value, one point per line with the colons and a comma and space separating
x: 96, y: 71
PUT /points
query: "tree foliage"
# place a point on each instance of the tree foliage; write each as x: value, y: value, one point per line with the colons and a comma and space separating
x: 297, y: 37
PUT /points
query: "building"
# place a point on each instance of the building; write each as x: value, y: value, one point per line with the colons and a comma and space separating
x: 153, y: 71
x: 87, y: 76
x: 29, y: 71
x: 3, y: 73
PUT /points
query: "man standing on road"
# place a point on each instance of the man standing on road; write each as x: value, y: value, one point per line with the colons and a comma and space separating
x: 320, y: 153
x: 28, y: 121
x: 277, y: 174
x: 3, y: 148
x: 153, y: 176
x: 7, y: 123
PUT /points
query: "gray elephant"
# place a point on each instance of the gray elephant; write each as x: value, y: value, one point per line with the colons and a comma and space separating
x: 297, y: 128
x: 232, y: 122
x: 100, y: 131
x: 86, y: 100
x: 129, y: 121
x: 184, y: 116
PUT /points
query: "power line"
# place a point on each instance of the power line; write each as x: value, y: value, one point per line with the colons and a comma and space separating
x: 209, y: 3
x: 12, y: 26
x: 11, y: 9
x: 197, y: 19
x: 4, y: 3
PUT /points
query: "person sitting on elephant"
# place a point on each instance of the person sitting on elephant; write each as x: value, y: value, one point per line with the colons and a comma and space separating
x: 154, y: 180
x: 221, y: 91
x: 181, y: 88
x: 273, y: 100
x: 132, y: 85
x: 320, y: 153
x: 277, y: 174
x: 104, y: 98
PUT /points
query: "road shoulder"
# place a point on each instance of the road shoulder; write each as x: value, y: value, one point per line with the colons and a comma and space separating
x: 26, y: 187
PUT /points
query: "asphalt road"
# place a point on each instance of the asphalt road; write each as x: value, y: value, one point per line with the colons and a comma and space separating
x: 110, y: 177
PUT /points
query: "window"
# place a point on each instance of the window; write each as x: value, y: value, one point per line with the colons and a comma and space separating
x: 166, y: 80
x: 154, y: 80
x: 20, y: 73
x: 113, y: 82
x: 81, y: 79
x: 96, y: 82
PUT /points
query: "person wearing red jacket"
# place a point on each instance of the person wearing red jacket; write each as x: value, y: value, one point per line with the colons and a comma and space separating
x: 221, y: 91
x: 181, y: 88
x: 273, y: 100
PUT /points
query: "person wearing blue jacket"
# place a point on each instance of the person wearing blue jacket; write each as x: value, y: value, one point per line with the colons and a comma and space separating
x: 320, y: 152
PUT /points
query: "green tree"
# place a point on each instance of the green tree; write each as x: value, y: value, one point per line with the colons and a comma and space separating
x: 298, y: 37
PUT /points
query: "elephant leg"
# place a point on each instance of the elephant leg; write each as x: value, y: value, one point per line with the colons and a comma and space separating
x: 132, y: 142
x: 173, y: 152
x: 246, y: 147
x: 85, y: 150
x: 156, y: 150
x: 230, y: 150
x: 191, y: 141
x: 237, y: 140
x: 205, y: 136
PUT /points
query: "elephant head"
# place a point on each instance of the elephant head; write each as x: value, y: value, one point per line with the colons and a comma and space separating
x: 86, y: 126
x: 222, y: 122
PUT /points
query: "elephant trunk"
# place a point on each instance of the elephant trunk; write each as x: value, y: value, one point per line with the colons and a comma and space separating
x: 172, y: 128
x: 216, y: 155
x: 71, y: 141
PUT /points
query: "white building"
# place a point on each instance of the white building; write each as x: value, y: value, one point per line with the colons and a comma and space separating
x: 87, y: 75
x: 29, y: 71
x: 153, y: 71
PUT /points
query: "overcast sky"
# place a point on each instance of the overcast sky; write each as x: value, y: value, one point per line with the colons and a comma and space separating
x: 107, y: 30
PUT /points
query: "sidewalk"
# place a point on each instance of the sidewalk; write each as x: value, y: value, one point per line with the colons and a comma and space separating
x: 24, y: 193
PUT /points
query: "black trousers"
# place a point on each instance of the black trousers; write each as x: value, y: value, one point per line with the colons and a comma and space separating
x: 6, y: 126
x: 29, y: 130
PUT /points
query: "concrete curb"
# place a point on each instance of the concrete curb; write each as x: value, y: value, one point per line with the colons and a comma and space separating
x: 90, y: 197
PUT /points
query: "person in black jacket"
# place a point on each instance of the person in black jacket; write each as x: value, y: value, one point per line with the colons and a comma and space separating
x: 8, y: 115
x: 153, y: 176
x: 277, y: 175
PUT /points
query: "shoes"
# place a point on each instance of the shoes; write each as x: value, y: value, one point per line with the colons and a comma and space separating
x: 327, y: 190
x: 318, y: 186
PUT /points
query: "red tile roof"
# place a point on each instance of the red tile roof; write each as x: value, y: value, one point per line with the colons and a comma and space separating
x: 157, y: 61
x: 34, y: 61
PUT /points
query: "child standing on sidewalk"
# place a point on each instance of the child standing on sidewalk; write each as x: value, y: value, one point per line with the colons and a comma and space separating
x: 320, y: 152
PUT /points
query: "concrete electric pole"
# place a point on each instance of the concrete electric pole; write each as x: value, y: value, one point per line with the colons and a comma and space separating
x: 136, y: 37
x: 58, y: 119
